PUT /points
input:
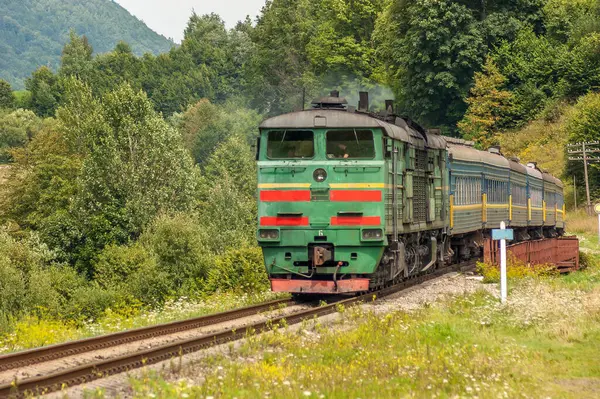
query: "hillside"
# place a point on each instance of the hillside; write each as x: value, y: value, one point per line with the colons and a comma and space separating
x: 33, y: 32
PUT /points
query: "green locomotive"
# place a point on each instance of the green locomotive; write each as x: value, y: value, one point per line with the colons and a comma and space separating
x: 351, y: 201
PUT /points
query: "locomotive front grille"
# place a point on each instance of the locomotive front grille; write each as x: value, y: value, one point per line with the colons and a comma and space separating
x: 420, y: 198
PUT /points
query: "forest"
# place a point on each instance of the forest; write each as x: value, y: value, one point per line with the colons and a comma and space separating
x: 33, y: 32
x: 129, y: 180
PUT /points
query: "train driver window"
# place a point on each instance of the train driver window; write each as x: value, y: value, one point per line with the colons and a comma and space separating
x: 350, y: 144
x: 290, y: 144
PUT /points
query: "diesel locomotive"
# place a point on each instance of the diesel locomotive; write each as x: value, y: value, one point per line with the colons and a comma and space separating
x: 351, y: 201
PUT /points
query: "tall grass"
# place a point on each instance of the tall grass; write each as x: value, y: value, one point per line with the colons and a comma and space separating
x: 578, y: 222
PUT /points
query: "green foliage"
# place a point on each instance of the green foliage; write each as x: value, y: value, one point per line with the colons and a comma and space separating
x: 33, y: 32
x: 22, y: 99
x: 179, y: 244
x: 571, y: 20
x: 107, y: 169
x: 76, y: 57
x: 238, y: 269
x: 16, y: 129
x: 133, y: 271
x: 7, y: 99
x: 431, y: 49
x: 228, y: 209
x: 45, y: 91
x: 488, y: 105
x: 205, y: 125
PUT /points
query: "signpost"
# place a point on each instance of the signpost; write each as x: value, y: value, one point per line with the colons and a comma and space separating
x: 502, y: 235
x: 597, y: 210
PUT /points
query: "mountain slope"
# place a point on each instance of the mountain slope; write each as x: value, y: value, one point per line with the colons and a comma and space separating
x: 33, y: 32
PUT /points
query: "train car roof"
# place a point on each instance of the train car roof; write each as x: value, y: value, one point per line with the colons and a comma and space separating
x: 558, y: 182
x: 464, y: 153
x: 490, y: 158
x: 548, y: 177
x: 517, y: 167
x: 534, y: 172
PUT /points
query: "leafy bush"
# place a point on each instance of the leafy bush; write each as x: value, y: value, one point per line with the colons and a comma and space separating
x: 515, y: 270
x: 90, y: 301
x: 50, y: 290
x: 12, y: 288
x: 115, y: 263
x: 133, y: 271
x: 179, y: 244
x: 238, y: 269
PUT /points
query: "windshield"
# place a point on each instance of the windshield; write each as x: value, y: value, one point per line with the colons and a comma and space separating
x: 350, y: 144
x: 290, y: 144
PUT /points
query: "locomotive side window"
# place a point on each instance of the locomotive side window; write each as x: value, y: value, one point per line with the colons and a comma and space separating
x: 350, y: 144
x: 290, y: 144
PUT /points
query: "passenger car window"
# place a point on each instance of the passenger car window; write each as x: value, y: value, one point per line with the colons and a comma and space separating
x: 290, y: 144
x: 350, y: 144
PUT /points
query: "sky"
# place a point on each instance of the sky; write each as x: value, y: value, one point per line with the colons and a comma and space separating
x: 169, y: 17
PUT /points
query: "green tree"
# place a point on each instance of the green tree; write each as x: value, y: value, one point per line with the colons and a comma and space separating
x: 277, y: 71
x: 45, y: 93
x: 430, y: 50
x: 205, y: 125
x: 135, y: 166
x: 488, y: 105
x: 7, y: 99
x: 76, y: 57
x: 16, y: 129
x: 571, y: 20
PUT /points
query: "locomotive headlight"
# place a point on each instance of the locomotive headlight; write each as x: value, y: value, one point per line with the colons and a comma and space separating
x: 268, y: 234
x: 320, y: 175
x: 372, y: 234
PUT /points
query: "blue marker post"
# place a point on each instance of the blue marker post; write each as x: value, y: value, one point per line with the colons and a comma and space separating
x: 503, y: 234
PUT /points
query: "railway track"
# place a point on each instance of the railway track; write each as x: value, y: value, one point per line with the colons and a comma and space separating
x: 72, y: 376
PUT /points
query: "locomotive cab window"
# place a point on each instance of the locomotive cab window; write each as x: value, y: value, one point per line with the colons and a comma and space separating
x: 290, y: 144
x: 350, y: 144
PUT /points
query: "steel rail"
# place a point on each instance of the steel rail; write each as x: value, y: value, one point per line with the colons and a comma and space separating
x: 101, y: 369
x: 52, y: 352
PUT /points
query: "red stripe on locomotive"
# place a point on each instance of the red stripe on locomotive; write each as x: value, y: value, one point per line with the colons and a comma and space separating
x: 285, y: 196
x: 283, y: 221
x: 355, y: 221
x: 356, y: 195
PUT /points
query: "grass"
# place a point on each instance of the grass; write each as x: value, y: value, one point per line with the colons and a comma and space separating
x: 544, y: 343
x: 32, y: 332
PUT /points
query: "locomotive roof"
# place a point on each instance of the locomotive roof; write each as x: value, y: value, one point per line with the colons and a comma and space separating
x: 400, y: 130
x: 341, y: 118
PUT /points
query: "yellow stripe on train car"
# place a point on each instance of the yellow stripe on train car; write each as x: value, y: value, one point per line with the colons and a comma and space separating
x: 452, y: 211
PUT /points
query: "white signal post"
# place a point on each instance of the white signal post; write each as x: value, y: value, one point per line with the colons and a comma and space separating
x: 502, y: 235
x: 503, y: 289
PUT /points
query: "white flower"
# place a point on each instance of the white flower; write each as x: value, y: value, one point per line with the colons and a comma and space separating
x: 287, y: 383
x: 306, y: 393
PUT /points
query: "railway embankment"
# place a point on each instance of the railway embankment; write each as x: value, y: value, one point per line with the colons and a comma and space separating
x: 435, y: 341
